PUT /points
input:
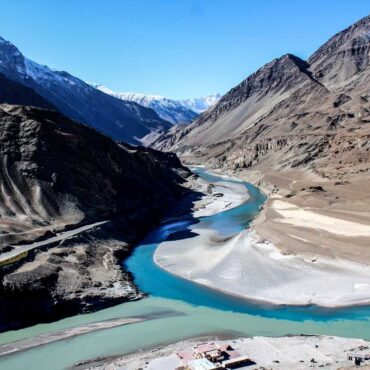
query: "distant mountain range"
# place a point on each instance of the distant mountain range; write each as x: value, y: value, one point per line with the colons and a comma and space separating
x: 174, y: 111
x: 199, y: 105
x: 122, y: 120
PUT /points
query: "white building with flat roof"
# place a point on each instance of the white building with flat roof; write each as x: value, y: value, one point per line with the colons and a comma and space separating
x: 204, y: 364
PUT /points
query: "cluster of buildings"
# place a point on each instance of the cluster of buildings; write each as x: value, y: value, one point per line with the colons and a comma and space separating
x: 213, y: 356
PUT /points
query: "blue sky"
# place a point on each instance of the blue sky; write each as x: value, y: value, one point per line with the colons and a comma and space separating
x: 175, y: 48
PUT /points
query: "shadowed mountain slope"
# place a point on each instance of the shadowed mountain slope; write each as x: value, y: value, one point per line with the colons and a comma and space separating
x: 54, y: 169
x: 15, y: 93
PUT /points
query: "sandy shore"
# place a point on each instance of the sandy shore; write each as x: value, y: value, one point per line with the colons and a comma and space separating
x: 291, y: 352
x: 218, y: 196
x: 246, y: 265
x: 223, y: 196
x: 10, y: 348
x: 51, y: 337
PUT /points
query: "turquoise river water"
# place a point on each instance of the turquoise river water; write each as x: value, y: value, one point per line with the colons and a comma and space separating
x: 188, y: 309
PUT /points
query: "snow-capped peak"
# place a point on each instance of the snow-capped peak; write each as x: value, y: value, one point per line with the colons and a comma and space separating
x: 174, y: 111
x: 168, y: 109
x: 129, y: 95
x: 201, y: 104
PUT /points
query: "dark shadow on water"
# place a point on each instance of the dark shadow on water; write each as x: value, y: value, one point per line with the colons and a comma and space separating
x: 181, y: 235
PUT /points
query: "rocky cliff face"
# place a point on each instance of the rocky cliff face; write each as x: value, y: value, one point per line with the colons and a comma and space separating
x: 290, y: 114
x: 55, y: 173
x: 121, y: 120
x: 344, y: 56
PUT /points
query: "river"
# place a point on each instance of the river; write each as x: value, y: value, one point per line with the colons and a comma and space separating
x: 187, y: 309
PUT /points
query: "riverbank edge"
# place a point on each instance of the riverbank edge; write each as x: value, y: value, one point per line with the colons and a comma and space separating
x: 253, y: 230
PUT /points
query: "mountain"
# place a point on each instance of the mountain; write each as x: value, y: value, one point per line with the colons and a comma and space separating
x: 290, y: 113
x: 300, y: 130
x: 168, y: 109
x: 200, y: 105
x: 121, y: 120
x: 57, y: 175
x: 47, y: 162
x: 246, y: 111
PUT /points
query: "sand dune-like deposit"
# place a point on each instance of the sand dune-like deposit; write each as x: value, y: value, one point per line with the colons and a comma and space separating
x: 252, y: 268
x: 312, y: 216
x: 305, y: 218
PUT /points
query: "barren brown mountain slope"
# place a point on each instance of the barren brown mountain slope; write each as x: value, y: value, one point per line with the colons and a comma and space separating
x: 301, y: 131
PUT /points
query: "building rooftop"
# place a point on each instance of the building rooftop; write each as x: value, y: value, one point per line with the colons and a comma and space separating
x: 205, y: 347
x: 225, y: 347
x: 235, y: 360
x: 185, y: 355
x: 358, y: 354
x: 203, y: 364
x: 233, y: 354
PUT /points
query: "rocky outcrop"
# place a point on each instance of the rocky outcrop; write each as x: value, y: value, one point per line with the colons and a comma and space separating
x: 81, y: 274
x: 57, y: 174
x: 282, y: 74
x: 345, y: 55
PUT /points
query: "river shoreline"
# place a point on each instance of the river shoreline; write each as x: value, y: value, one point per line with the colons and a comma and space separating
x: 250, y: 267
